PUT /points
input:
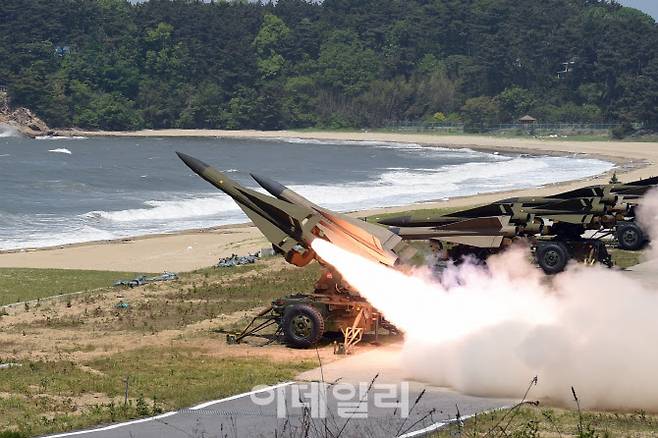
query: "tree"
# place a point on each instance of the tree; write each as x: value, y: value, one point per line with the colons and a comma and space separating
x: 515, y: 102
x: 337, y: 63
x: 109, y: 112
x: 480, y: 112
x: 268, y: 43
x: 346, y: 65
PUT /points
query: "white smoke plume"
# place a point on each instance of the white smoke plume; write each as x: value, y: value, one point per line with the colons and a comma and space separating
x: 489, y: 330
x: 647, y: 217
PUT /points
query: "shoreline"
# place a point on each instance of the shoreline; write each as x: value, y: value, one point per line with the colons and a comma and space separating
x: 191, y: 249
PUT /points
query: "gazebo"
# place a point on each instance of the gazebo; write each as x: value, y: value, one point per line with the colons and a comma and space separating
x: 527, y: 120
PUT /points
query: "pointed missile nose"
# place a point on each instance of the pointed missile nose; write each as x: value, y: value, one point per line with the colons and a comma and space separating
x: 196, y: 165
x: 271, y: 186
x: 396, y: 221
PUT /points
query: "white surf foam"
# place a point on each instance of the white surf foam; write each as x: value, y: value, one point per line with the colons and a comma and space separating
x: 59, y: 137
x: 8, y: 131
x: 47, y: 239
x: 395, y: 186
x: 383, y: 144
x: 60, y: 151
x: 403, y: 186
x: 168, y: 210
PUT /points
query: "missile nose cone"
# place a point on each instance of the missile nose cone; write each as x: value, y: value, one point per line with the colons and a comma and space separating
x: 271, y: 186
x: 396, y: 221
x: 196, y: 165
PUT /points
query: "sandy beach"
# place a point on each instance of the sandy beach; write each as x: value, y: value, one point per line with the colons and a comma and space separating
x: 185, y: 251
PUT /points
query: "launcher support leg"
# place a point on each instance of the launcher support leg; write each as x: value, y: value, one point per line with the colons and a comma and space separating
x: 252, y: 328
x: 352, y: 335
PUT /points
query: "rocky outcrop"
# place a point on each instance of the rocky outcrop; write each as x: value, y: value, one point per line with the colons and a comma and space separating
x: 25, y: 122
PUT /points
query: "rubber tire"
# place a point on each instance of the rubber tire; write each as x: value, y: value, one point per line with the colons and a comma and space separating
x: 291, y: 337
x: 630, y: 236
x: 552, y: 257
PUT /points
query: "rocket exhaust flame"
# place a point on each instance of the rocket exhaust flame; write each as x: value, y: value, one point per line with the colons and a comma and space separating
x: 489, y: 330
x: 404, y: 298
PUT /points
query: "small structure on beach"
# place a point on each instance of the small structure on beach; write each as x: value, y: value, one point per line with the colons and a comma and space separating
x: 527, y: 120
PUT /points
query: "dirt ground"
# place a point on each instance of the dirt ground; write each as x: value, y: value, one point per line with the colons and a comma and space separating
x: 91, y: 325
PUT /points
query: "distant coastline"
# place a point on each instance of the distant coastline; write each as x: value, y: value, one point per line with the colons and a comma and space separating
x: 617, y: 152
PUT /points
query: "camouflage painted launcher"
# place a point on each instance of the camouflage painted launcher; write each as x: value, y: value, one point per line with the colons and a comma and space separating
x: 486, y: 225
x: 291, y: 222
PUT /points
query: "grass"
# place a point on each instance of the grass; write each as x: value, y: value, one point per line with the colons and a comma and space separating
x: 625, y: 259
x: 530, y: 421
x: 200, y: 295
x: 24, y: 284
x: 62, y: 393
x: 208, y: 293
x: 46, y: 394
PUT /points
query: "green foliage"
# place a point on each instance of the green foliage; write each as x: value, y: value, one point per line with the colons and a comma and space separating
x: 529, y: 422
x: 110, y: 112
x: 623, y: 130
x: 346, y: 65
x: 515, y: 102
x: 479, y: 112
x: 9, y: 434
x: 349, y: 63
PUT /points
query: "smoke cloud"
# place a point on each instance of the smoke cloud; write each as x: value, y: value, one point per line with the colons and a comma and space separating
x: 489, y: 330
x: 647, y: 217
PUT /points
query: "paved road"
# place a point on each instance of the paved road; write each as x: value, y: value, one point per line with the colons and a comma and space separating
x: 242, y: 417
x: 326, y: 406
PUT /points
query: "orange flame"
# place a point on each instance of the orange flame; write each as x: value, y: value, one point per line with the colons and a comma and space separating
x: 427, y: 309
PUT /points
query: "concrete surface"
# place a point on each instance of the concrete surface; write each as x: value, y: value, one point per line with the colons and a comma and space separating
x: 343, y: 404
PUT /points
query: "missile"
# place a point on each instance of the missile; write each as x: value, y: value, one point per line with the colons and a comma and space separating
x: 484, y: 232
x: 516, y: 213
x: 355, y: 235
x: 291, y: 222
x: 288, y: 227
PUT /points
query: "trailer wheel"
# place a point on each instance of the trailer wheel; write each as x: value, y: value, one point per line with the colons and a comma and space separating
x: 303, y: 325
x: 552, y: 257
x: 630, y: 236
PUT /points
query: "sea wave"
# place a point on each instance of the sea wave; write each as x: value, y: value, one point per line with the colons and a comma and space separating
x: 392, y: 186
x: 395, y: 186
x: 8, y: 131
x: 60, y: 137
x: 417, y: 148
x: 60, y: 151
x: 47, y: 239
x: 404, y: 186
x: 169, y: 209
x: 384, y: 144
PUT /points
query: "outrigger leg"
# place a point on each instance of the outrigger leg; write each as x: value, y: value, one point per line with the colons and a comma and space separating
x: 268, y: 319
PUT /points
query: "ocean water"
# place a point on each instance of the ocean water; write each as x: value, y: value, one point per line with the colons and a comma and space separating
x: 66, y: 190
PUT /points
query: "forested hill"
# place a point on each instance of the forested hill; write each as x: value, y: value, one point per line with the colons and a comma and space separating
x: 342, y: 63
